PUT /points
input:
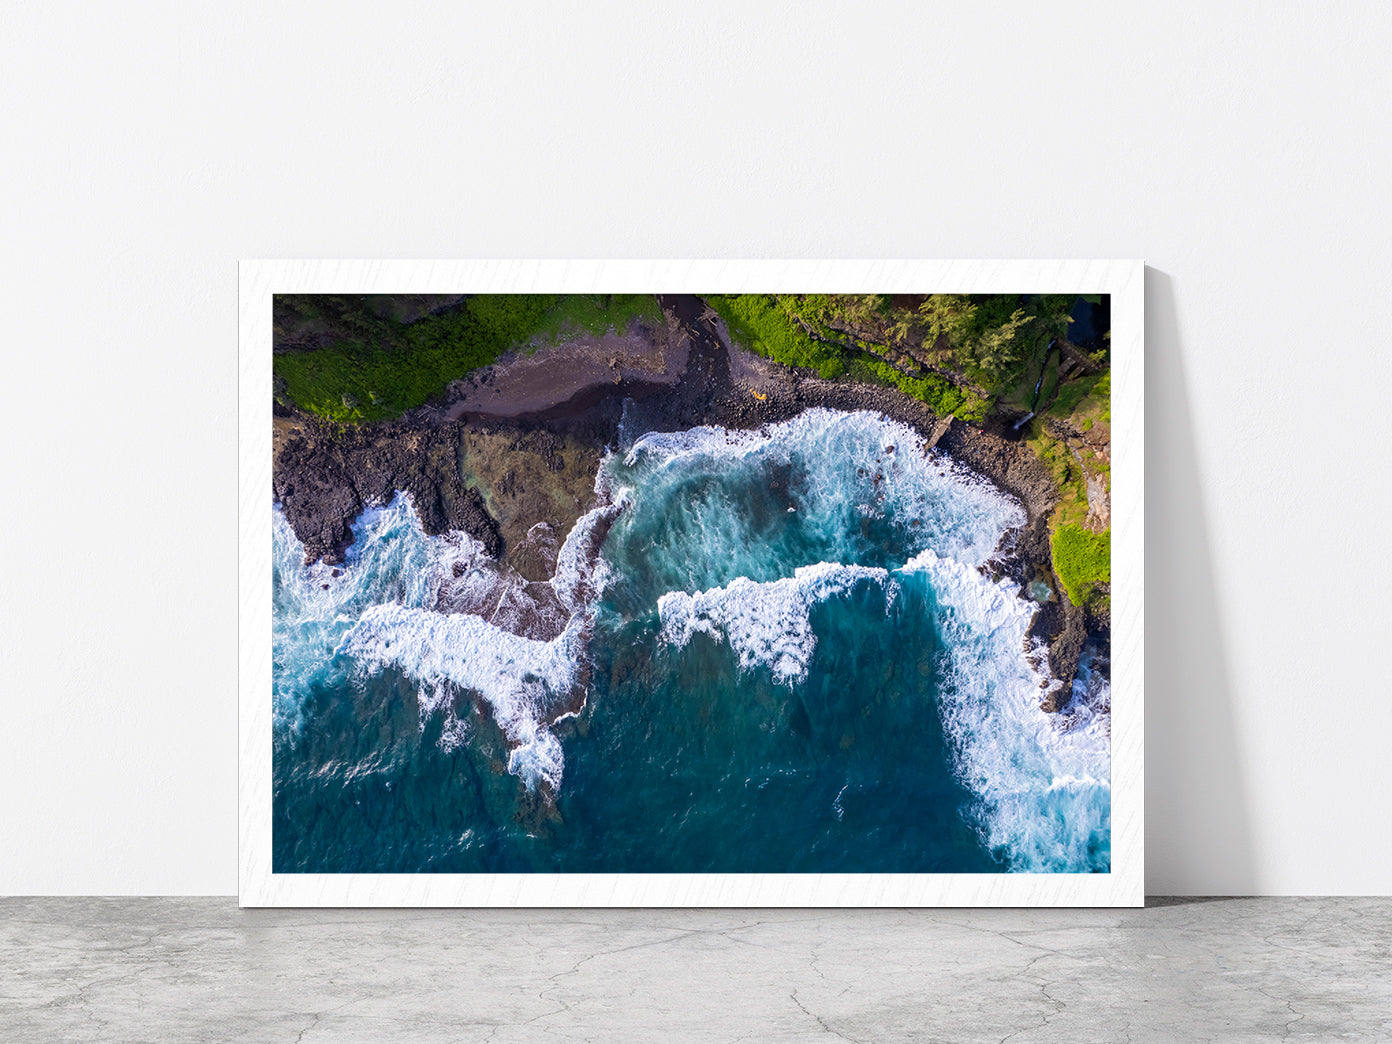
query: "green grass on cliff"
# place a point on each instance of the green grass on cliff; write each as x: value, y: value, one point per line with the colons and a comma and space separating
x: 595, y: 315
x: 1067, y: 473
x: 757, y: 322
x: 388, y: 367
x: 996, y: 345
x: 1082, y: 560
x: 397, y: 366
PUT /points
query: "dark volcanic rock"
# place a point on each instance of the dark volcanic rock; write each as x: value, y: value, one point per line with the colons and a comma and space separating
x: 1064, y: 626
x: 534, y: 557
x: 323, y: 478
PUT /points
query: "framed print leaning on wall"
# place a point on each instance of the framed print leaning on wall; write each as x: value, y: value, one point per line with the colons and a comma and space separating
x: 691, y: 583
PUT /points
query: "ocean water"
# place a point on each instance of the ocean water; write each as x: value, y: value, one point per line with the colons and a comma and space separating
x: 769, y: 651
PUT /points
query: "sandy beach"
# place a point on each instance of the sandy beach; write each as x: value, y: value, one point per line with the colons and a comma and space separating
x: 530, y: 382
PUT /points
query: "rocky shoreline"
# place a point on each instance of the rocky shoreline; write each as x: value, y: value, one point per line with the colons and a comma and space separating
x: 498, y: 475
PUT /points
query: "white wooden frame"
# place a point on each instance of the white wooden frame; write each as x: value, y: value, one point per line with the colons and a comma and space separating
x: 259, y: 886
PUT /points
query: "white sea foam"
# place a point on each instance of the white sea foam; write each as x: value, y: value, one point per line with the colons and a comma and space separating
x: 708, y: 440
x: 382, y: 608
x: 524, y: 681
x: 850, y: 481
x: 1043, y: 780
x: 766, y: 624
x: 581, y: 574
x: 1089, y: 707
x: 390, y: 558
x: 849, y: 466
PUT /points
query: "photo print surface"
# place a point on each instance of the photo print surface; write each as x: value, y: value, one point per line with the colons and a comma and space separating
x: 691, y: 583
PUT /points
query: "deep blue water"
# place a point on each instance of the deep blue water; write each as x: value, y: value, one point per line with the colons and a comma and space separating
x: 793, y: 665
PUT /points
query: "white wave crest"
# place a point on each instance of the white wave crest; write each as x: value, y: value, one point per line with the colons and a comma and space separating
x: 850, y: 466
x: 391, y: 558
x: 524, y: 681
x: 1043, y: 780
x: 708, y: 440
x: 418, y: 603
x: 766, y: 624
x: 581, y: 574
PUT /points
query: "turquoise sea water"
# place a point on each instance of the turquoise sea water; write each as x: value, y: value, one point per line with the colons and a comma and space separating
x: 789, y: 659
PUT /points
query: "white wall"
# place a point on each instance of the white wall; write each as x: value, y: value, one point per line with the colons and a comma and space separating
x: 1242, y: 152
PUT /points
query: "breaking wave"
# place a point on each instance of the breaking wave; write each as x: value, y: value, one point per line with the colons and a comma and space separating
x: 744, y: 532
x: 1042, y: 780
x: 766, y: 624
x: 419, y: 604
x: 755, y: 540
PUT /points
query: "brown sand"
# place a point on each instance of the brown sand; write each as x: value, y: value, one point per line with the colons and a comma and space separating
x: 519, y: 384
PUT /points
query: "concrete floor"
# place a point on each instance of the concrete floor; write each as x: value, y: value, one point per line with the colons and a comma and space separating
x: 174, y: 970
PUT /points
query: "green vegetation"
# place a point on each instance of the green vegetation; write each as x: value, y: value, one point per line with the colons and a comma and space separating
x: 819, y: 332
x: 758, y: 321
x: 968, y: 355
x: 1067, y: 473
x: 986, y: 334
x: 1082, y: 561
x: 378, y: 366
x: 959, y: 353
x: 359, y: 358
x: 595, y: 315
x: 1073, y: 393
x: 1081, y: 558
x: 941, y: 396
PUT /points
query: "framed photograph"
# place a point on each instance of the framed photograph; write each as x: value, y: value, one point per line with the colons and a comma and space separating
x: 691, y: 583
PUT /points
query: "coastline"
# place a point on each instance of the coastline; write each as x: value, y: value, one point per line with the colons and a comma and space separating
x: 516, y: 442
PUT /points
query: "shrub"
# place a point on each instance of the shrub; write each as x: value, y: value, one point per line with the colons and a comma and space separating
x: 758, y: 321
x: 393, y: 367
x: 1082, y: 560
x: 762, y: 322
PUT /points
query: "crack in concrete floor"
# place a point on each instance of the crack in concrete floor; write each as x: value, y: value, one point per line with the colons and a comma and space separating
x: 1311, y: 969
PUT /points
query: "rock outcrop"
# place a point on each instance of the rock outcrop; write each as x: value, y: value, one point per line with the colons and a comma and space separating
x: 323, y: 477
